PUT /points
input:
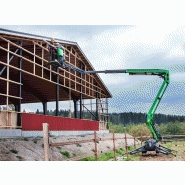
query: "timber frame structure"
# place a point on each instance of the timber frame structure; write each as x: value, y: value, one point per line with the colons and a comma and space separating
x: 27, y: 77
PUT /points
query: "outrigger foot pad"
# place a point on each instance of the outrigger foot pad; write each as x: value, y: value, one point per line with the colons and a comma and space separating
x: 151, y: 145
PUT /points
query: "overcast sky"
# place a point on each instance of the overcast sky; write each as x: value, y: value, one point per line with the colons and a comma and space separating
x: 129, y: 47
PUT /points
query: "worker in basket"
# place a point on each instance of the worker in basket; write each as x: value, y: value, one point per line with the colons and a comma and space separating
x: 57, y: 57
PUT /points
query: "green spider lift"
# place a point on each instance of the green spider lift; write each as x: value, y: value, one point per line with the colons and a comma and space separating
x: 151, y: 144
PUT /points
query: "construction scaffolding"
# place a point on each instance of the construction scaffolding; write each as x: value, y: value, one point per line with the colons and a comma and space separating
x: 27, y: 77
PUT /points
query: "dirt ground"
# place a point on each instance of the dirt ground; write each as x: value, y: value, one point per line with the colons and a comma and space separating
x: 30, y: 149
x: 178, y: 153
x: 158, y: 157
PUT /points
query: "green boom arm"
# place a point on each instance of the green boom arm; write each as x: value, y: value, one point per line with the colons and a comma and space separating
x: 165, y: 75
x: 159, y: 72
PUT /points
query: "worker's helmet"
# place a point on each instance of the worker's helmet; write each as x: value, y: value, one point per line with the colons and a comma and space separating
x: 52, y: 40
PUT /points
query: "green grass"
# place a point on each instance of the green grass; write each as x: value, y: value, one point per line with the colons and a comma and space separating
x: 110, y: 155
x: 14, y: 151
x: 116, y: 128
x: 81, y: 153
x: 105, y: 156
x: 2, y: 140
x: 136, y: 130
x: 78, y: 145
x: 22, y: 139
x: 35, y: 140
x: 134, y: 157
x: 19, y: 157
x: 66, y: 154
x: 178, y: 146
x: 74, y: 155
x: 88, y: 159
x: 177, y: 128
x: 25, y: 139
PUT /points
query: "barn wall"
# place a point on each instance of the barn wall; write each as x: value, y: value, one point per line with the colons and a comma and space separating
x: 34, y: 122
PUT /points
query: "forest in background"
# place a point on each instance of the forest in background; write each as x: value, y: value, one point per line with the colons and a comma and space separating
x: 134, y: 123
x: 123, y: 118
x: 138, y: 118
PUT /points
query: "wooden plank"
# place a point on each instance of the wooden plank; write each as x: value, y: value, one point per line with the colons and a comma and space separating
x: 134, y: 142
x: 43, y: 78
x: 21, y: 48
x: 126, y: 144
x: 20, y: 37
x: 85, y: 80
x: 10, y: 96
x: 34, y: 59
x: 91, y: 107
x: 8, y: 126
x: 75, y: 73
x: 43, y: 67
x: 143, y: 137
x: 171, y: 136
x: 69, y: 89
x: 114, y: 146
x: 78, y: 76
x: 7, y: 84
x: 50, y: 73
x: 11, y: 81
x: 35, y: 43
x: 71, y: 142
x: 89, y: 85
x: 22, y: 57
x: 95, y: 145
x: 81, y: 157
x: 46, y: 140
x: 42, y: 63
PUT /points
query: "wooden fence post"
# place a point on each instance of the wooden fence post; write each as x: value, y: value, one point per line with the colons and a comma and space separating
x: 141, y: 139
x: 134, y: 143
x: 126, y: 146
x: 46, y: 140
x: 114, y: 146
x: 95, y: 143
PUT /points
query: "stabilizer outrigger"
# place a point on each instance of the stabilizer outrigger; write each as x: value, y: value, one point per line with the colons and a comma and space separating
x: 151, y: 144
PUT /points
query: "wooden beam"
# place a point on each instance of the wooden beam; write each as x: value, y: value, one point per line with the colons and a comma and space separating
x: 7, y: 87
x: 46, y: 140
x: 90, y: 85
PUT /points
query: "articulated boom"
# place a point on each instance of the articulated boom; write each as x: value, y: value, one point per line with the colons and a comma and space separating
x: 151, y: 144
x: 165, y: 75
x: 162, y: 73
x: 154, y: 106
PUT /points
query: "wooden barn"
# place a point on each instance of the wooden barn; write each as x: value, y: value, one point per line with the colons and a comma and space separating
x: 27, y: 77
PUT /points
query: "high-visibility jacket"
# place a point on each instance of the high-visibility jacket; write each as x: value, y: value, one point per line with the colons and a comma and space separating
x: 60, y: 52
